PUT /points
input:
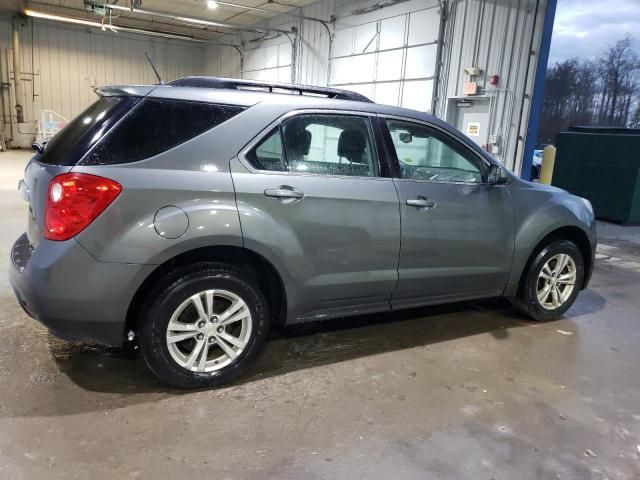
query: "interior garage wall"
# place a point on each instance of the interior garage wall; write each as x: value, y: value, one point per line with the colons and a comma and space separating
x: 388, y: 55
x: 312, y: 50
x: 501, y: 37
x: 372, y: 53
x: 61, y: 64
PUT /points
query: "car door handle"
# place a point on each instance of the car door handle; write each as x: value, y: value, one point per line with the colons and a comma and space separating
x: 284, y: 192
x: 421, y: 202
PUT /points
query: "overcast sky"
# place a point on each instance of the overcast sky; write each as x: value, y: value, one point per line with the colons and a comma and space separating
x: 584, y: 28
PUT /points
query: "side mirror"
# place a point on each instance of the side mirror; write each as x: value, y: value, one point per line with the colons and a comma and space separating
x: 497, y: 175
x: 405, y: 137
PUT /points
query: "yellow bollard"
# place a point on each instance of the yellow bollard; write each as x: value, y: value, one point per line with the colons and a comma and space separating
x: 548, y: 161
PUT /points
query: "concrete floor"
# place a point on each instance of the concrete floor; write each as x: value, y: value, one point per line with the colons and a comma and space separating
x: 467, y: 391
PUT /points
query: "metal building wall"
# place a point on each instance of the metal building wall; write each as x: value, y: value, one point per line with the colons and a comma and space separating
x: 61, y: 64
x: 499, y: 36
x: 222, y: 61
x: 312, y: 52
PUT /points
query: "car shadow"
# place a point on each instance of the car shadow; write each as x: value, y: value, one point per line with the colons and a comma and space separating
x: 99, y: 378
x: 102, y: 369
x: 311, y: 345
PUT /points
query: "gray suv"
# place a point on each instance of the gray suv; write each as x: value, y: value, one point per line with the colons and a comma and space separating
x: 192, y: 216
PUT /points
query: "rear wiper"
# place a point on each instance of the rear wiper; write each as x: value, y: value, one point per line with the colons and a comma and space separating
x: 37, y: 147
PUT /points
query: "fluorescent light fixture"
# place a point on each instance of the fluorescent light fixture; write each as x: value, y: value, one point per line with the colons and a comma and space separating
x: 196, y: 21
x: 212, y: 4
x: 104, y: 27
x: 60, y: 18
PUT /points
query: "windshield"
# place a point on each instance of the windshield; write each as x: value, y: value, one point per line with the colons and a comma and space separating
x: 58, y: 149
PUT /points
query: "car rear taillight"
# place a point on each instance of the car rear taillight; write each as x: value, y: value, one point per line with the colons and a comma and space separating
x: 74, y: 200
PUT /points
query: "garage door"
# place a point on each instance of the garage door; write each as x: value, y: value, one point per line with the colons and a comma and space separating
x: 391, y: 60
x: 270, y: 61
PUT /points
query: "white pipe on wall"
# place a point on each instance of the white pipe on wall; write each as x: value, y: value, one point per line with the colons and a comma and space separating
x: 17, y: 71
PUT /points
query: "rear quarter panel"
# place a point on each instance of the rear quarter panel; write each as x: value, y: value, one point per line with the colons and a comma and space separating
x: 126, y: 232
x: 193, y: 176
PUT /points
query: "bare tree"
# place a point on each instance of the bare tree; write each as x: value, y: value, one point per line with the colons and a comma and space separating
x: 618, y: 68
x: 604, y: 91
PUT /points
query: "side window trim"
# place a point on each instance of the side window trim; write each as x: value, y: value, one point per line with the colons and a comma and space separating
x: 370, y: 117
x: 285, y: 160
x: 482, y: 163
x: 384, y: 145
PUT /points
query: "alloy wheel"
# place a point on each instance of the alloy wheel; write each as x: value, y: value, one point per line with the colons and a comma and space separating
x: 209, y: 330
x: 556, y: 281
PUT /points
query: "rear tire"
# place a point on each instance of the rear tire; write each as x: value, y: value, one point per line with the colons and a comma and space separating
x: 551, y: 281
x: 203, y: 326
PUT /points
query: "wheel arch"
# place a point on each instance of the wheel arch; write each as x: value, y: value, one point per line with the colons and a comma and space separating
x: 253, y: 264
x: 572, y: 233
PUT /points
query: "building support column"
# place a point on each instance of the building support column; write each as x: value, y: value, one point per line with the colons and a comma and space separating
x: 538, y: 89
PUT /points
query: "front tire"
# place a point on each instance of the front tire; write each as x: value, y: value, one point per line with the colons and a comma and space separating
x: 203, y: 326
x: 551, y: 281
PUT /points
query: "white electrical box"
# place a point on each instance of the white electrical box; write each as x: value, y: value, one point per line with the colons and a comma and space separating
x: 472, y: 71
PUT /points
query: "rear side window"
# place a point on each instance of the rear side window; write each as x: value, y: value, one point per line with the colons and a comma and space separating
x: 268, y: 154
x: 155, y: 126
x: 322, y: 144
x: 61, y: 148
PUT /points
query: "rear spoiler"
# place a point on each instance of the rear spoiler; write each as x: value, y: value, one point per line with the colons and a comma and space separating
x: 124, y: 90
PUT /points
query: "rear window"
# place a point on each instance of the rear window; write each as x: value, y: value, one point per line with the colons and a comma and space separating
x: 63, y: 148
x: 156, y: 125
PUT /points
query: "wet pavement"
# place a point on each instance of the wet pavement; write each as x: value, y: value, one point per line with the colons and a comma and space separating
x: 464, y: 391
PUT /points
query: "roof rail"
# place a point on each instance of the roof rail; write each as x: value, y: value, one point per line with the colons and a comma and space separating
x: 231, y: 83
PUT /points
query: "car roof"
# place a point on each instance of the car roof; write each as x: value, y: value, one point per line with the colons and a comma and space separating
x: 251, y: 93
x: 284, y: 102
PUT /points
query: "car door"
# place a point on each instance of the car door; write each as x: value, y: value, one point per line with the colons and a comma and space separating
x: 457, y: 230
x: 313, y: 200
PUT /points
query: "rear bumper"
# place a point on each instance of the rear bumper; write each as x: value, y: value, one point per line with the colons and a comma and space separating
x: 72, y: 294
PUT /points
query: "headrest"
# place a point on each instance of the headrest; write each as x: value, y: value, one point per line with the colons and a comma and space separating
x: 297, y: 140
x: 351, y: 145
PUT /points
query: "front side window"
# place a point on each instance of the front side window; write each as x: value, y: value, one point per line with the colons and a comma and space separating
x: 323, y: 144
x: 156, y: 125
x: 425, y: 154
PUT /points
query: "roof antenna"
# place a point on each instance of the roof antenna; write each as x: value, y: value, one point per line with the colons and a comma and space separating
x: 154, y: 68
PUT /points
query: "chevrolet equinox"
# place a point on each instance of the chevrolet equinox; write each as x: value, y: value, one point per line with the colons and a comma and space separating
x: 191, y: 216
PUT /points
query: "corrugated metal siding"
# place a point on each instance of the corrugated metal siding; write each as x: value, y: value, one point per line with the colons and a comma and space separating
x: 498, y: 37
x: 62, y: 63
x: 495, y: 35
x: 222, y: 61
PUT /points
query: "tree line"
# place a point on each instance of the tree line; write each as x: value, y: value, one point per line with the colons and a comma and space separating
x: 603, y: 91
